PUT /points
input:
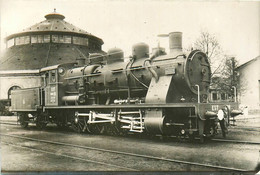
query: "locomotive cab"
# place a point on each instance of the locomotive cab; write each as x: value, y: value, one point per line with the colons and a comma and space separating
x: 55, y: 83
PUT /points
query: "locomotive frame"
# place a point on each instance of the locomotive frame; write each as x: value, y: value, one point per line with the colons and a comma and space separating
x: 161, y: 94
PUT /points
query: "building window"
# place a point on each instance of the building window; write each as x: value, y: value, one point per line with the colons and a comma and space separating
x: 22, y: 40
x: 84, y: 41
x: 61, y: 39
x: 80, y: 41
x: 76, y: 40
x: 214, y: 96
x: 12, y: 88
x: 55, y: 38
x: 40, y: 38
x: 26, y: 39
x: 10, y: 42
x: 19, y: 40
x: 34, y: 39
x: 223, y: 96
x: 67, y: 39
x: 46, y: 38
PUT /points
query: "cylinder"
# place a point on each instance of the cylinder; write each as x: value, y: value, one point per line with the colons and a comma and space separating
x: 140, y: 50
x: 154, y: 121
x: 175, y: 42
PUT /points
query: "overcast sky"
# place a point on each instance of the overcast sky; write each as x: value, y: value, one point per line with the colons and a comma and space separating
x: 124, y: 23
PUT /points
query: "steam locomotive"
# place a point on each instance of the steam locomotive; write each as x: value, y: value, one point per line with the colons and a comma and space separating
x: 153, y: 94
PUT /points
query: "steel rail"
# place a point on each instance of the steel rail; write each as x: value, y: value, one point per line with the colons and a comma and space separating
x: 71, y: 157
x: 131, y: 154
x: 9, y: 123
x: 253, y: 129
x: 6, y: 120
x: 257, y: 129
x: 247, y: 127
x: 236, y: 141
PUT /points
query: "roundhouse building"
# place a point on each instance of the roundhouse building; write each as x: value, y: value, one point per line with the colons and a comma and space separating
x: 50, y: 42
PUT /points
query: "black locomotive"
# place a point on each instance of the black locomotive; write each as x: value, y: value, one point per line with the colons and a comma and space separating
x: 163, y: 94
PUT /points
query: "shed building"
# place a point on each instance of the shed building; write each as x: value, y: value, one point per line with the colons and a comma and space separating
x: 249, y: 84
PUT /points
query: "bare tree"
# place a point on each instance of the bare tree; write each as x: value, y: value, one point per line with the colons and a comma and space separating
x: 209, y: 44
x: 223, y: 74
x: 228, y: 77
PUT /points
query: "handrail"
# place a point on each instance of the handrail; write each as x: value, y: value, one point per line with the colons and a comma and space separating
x: 198, y: 92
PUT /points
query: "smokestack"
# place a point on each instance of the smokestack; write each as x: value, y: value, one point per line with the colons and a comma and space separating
x: 175, y: 42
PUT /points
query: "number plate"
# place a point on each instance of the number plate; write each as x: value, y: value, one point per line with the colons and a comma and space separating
x: 170, y: 70
x: 214, y: 107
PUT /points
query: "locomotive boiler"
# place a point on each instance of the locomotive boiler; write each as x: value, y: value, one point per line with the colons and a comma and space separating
x: 154, y: 93
x: 157, y: 78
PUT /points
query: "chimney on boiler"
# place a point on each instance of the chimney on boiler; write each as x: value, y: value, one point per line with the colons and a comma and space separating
x: 175, y: 42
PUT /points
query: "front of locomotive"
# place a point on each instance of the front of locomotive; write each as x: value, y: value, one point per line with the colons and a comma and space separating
x: 183, y: 85
x: 197, y: 74
x: 187, y: 74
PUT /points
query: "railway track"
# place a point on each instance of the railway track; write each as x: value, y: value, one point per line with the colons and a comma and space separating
x: 9, y: 123
x: 68, y: 156
x: 218, y: 140
x: 254, y: 129
x: 236, y: 141
x: 248, y: 128
x: 133, y: 155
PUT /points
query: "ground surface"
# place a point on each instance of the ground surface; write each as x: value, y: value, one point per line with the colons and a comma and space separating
x: 55, y: 158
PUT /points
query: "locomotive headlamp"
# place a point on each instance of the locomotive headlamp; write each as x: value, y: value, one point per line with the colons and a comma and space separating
x: 220, y: 114
x: 61, y: 70
x: 182, y: 131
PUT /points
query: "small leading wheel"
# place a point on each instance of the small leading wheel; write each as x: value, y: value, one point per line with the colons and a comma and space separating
x: 78, y: 124
x: 23, y: 120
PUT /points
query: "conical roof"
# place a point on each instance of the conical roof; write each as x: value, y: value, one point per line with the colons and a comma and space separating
x: 52, y: 41
x: 54, y: 23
